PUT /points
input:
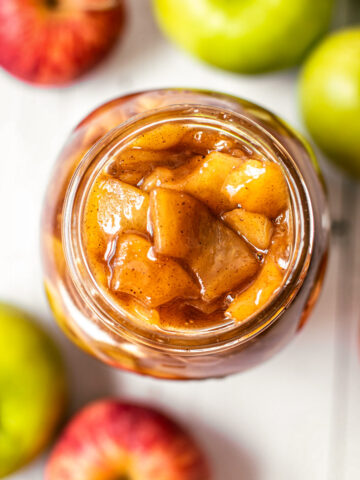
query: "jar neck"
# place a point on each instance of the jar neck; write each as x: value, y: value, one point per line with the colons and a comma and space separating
x: 222, y: 336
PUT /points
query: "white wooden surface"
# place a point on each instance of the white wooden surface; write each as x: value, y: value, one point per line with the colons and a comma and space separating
x: 293, y: 418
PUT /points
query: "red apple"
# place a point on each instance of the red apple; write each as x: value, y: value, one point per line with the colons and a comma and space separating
x: 112, y: 440
x: 52, y: 42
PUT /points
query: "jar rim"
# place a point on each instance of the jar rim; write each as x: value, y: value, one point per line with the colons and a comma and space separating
x: 191, y: 341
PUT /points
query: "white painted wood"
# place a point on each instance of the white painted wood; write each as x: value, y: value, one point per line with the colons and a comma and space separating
x: 293, y: 418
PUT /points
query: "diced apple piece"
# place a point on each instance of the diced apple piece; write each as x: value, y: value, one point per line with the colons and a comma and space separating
x: 174, y: 217
x: 162, y: 137
x: 206, y: 180
x: 136, y: 162
x: 116, y: 207
x: 222, y: 260
x: 270, y: 277
x: 255, y: 227
x: 258, y: 294
x: 154, y: 281
x: 132, y: 158
x: 113, y: 207
x: 137, y: 310
x: 131, y: 176
x: 282, y: 241
x: 183, y: 227
x: 259, y: 187
x: 202, y: 141
x: 160, y: 176
x: 171, y: 177
x: 203, y: 179
x: 144, y: 313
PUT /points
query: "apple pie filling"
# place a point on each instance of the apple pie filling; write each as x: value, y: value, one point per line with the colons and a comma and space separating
x: 188, y: 227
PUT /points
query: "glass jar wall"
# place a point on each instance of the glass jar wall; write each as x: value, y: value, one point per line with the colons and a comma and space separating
x: 94, y: 321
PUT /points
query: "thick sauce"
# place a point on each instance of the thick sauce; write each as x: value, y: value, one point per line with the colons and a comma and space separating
x: 188, y: 228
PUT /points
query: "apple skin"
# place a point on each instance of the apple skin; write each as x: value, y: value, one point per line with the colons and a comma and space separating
x: 110, y: 439
x: 53, y: 45
x: 245, y: 36
x: 330, y: 98
x: 33, y: 392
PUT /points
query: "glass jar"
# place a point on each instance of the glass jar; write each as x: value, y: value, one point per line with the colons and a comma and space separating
x: 94, y: 323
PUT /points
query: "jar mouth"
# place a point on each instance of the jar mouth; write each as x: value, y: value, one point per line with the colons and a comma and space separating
x: 230, y: 332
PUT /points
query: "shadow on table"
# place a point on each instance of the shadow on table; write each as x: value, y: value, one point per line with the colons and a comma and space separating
x: 229, y: 460
x: 89, y: 379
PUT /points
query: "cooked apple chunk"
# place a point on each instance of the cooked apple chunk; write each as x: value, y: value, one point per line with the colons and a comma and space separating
x: 161, y: 138
x: 174, y: 217
x: 139, y: 159
x: 259, y: 187
x: 159, y: 176
x: 206, y: 180
x: 154, y: 281
x: 116, y: 207
x: 171, y: 177
x: 255, y: 227
x: 136, y: 310
x: 221, y: 260
x: 135, y: 164
x: 113, y: 207
x: 202, y: 178
x: 184, y: 227
x: 258, y: 294
x: 202, y: 141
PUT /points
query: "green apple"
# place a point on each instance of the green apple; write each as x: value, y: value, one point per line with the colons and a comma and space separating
x: 248, y: 36
x: 32, y: 389
x: 330, y: 98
